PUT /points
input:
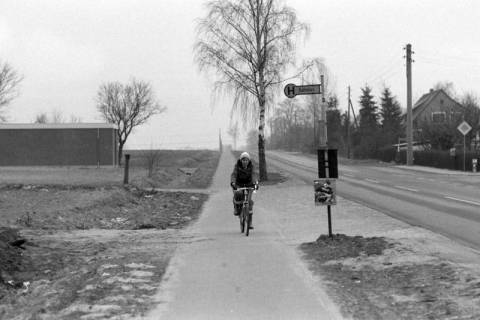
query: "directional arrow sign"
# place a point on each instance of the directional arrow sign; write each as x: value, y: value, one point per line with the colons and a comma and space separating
x: 464, y: 127
x: 292, y: 90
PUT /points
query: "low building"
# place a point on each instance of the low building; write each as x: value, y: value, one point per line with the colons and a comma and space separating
x: 436, y: 107
x: 72, y: 144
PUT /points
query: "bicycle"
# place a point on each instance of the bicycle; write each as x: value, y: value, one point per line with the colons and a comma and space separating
x: 245, y: 217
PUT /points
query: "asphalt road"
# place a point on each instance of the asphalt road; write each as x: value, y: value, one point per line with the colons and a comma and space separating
x: 442, y: 202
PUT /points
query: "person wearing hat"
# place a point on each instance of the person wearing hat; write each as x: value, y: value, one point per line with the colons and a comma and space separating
x: 243, y: 175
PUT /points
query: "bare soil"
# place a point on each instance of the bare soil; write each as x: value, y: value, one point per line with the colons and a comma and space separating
x: 81, y: 245
x: 375, y: 278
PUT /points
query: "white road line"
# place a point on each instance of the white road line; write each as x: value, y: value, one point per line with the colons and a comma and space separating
x: 371, y: 180
x: 405, y: 188
x: 349, y: 175
x: 463, y: 200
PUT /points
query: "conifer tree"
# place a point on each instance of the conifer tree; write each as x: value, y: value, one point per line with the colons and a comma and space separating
x: 391, y: 115
x: 368, y: 126
x: 334, y: 124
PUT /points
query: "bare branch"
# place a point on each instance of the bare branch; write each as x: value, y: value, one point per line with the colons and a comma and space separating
x: 9, y: 82
x: 248, y: 45
x: 127, y: 106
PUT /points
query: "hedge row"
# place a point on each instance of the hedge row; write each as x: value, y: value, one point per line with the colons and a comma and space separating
x: 432, y: 158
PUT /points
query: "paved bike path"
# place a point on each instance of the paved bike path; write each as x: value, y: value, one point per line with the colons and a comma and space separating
x: 221, y: 274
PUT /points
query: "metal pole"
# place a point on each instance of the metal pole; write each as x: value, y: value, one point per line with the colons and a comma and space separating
x: 323, y: 118
x: 125, y: 175
x: 464, y: 160
x: 329, y: 221
x: 315, y: 136
x: 348, y: 125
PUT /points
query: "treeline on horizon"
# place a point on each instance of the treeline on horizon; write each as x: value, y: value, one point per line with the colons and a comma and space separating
x: 378, y: 126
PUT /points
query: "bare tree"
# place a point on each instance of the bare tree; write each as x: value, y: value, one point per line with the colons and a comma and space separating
x: 446, y: 86
x: 56, y: 116
x: 233, y: 131
x: 127, y: 106
x: 41, y: 118
x: 249, y: 44
x: 314, y: 102
x: 152, y: 158
x: 75, y: 119
x: 9, y: 81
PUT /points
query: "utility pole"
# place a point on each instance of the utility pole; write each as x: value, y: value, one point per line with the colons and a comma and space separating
x: 315, y: 135
x: 323, y: 118
x: 409, y: 107
x: 348, y: 125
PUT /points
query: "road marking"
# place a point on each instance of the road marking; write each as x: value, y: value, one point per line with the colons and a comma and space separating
x: 405, y: 188
x: 371, y: 180
x: 463, y: 200
x: 349, y: 175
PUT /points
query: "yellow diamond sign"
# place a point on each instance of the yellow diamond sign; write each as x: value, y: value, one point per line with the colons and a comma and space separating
x: 464, y: 128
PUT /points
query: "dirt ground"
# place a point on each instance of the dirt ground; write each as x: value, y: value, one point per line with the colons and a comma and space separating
x: 375, y: 278
x: 75, y: 243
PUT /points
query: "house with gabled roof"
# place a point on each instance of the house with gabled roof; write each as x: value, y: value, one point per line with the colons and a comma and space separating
x: 436, y: 107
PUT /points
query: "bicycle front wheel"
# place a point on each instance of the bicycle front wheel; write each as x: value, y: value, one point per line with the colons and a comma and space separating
x: 248, y: 220
x: 242, y: 221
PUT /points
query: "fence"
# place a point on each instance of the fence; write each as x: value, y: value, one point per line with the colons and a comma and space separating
x: 432, y: 158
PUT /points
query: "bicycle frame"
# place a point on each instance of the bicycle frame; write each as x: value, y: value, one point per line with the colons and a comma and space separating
x: 245, y: 213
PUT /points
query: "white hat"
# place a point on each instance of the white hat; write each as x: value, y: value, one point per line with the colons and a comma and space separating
x: 245, y: 155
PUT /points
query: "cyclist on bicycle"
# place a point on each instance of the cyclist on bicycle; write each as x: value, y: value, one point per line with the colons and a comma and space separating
x: 243, y: 175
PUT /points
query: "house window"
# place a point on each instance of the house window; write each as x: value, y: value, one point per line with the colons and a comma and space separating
x: 456, y: 116
x: 439, y: 117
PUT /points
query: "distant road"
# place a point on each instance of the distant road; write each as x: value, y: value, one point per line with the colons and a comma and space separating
x: 448, y: 204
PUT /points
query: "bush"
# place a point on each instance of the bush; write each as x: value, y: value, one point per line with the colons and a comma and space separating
x: 443, y: 159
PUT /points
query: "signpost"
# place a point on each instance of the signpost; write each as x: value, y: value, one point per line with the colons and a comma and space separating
x: 292, y: 90
x: 325, y: 192
x: 464, y: 128
x: 325, y: 187
x: 327, y: 172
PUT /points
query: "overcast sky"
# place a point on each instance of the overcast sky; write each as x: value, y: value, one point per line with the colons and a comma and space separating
x: 66, y: 49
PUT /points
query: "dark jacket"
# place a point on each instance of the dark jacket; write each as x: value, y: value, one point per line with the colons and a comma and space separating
x: 243, y: 177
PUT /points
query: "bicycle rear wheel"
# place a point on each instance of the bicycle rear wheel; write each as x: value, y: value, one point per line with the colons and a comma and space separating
x: 248, y: 220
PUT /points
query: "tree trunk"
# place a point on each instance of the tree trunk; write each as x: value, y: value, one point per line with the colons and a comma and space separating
x: 120, y: 151
x: 262, y: 163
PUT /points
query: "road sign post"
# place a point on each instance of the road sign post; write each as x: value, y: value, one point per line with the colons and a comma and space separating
x: 328, y: 172
x: 292, y: 90
x: 464, y: 128
x: 327, y: 158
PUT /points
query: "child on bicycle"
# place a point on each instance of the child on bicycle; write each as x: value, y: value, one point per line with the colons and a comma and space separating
x: 243, y: 175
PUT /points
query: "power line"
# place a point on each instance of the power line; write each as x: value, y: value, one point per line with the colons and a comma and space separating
x: 392, y: 64
x: 438, y: 61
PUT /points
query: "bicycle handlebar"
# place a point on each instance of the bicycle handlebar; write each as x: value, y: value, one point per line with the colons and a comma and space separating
x: 246, y: 188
